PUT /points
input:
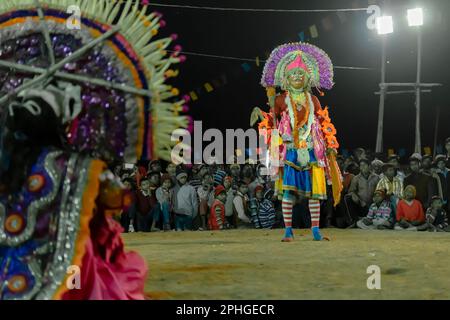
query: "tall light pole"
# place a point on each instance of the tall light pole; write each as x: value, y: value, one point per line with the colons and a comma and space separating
x: 415, y: 19
x: 385, y: 26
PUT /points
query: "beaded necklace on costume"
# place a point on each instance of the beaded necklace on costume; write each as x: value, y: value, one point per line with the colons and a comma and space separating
x: 293, y: 100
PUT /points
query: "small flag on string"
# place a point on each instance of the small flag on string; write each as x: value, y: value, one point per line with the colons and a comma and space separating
x: 327, y: 23
x: 314, y: 32
x: 427, y: 150
x: 344, y: 153
x: 257, y: 62
x: 193, y: 95
x: 224, y: 79
x: 238, y: 152
x: 208, y: 87
x: 216, y: 83
x: 301, y: 36
x: 246, y: 67
x: 402, y: 152
x: 439, y: 149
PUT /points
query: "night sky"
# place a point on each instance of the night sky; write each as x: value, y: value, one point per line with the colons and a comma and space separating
x: 353, y: 105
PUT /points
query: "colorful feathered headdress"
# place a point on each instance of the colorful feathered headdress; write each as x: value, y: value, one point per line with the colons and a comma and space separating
x: 298, y: 55
x: 128, y: 111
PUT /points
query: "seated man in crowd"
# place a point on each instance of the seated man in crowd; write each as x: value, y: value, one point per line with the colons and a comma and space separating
x: 437, y: 217
x: 361, y: 191
x: 410, y: 215
x: 380, y: 213
x: 262, y: 209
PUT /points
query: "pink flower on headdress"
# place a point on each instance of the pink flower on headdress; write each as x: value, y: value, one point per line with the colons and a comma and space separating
x: 297, y: 63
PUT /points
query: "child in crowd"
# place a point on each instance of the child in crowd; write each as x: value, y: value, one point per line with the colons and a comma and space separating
x: 380, y: 213
x: 436, y: 216
x: 262, y: 210
x: 216, y: 219
x: 240, y: 206
x: 228, y: 183
x: 129, y: 213
x: 147, y: 205
x: 185, y: 204
x: 164, y: 195
x: 410, y: 215
x: 206, y: 198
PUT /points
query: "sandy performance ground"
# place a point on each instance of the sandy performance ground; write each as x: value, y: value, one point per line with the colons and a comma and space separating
x: 254, y: 264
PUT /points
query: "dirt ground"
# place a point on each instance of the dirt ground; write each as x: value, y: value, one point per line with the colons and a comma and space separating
x: 254, y: 264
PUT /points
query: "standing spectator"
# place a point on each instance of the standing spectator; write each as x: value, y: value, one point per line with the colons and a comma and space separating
x: 146, y: 205
x: 155, y: 166
x: 392, y: 184
x: 235, y: 171
x: 198, y: 173
x: 427, y: 162
x: 447, y: 149
x: 421, y: 181
x: 377, y: 167
x: 395, y: 161
x: 240, y: 206
x: 361, y: 191
x: 248, y: 175
x: 410, y: 215
x: 216, y: 219
x: 185, y: 204
x: 262, y: 209
x: 172, y: 172
x: 360, y: 154
x: 205, y: 197
x: 380, y: 213
x: 164, y: 195
x: 129, y: 213
x: 228, y: 182
x: 155, y: 181
x: 444, y: 175
x: 218, y: 173
x: 436, y: 216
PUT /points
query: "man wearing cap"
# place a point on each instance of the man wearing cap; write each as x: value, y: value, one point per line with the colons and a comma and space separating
x: 377, y: 167
x: 422, y: 182
x: 262, y: 209
x: 361, y: 191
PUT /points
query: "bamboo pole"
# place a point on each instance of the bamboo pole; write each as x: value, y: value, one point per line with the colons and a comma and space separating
x: 77, y: 78
x: 45, y: 31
